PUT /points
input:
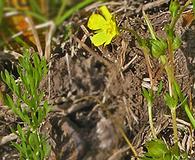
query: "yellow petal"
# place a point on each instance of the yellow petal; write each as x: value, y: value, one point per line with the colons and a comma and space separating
x: 96, y: 22
x: 99, y: 38
x: 105, y: 12
x: 111, y: 32
x: 108, y: 40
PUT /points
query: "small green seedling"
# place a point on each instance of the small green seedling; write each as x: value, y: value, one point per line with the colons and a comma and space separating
x: 104, y: 26
x: 29, y: 105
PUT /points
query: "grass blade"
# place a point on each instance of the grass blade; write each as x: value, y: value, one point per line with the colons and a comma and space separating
x: 35, y: 6
x: 71, y: 11
x: 2, y: 2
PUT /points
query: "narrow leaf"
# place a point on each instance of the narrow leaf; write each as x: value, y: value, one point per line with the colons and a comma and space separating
x: 2, y: 2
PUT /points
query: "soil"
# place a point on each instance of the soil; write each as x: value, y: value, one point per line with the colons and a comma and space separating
x: 97, y: 92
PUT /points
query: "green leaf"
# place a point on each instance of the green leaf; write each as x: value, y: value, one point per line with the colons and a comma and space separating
x: 33, y: 141
x: 156, y: 148
x: 149, y: 24
x: 168, y: 156
x: 175, y: 150
x: 6, y: 78
x: 18, y: 110
x: 9, y: 102
x: 160, y: 87
x: 13, y: 131
x: 61, y: 9
x: 178, y: 91
x: 40, y: 115
x: 158, y: 47
x: 184, y: 156
x: 26, y: 118
x: 23, y: 78
x: 14, y: 86
x: 35, y: 6
x: 46, y: 147
x: 34, y: 120
x: 3, y: 76
x: 174, y: 7
x: 40, y: 18
x: 169, y: 31
x: 148, y: 95
x: 21, y: 133
x: 36, y: 61
x: 46, y: 108
x: 171, y: 102
x: 19, y: 148
x: 20, y: 41
x: 176, y: 43
x: 32, y: 114
x: 26, y: 149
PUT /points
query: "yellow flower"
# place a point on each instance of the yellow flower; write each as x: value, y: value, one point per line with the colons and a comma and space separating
x: 104, y: 26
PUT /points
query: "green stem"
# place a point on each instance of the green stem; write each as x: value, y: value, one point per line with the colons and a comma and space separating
x: 175, y: 133
x: 146, y: 54
x: 150, y: 119
x: 169, y: 70
x: 172, y: 25
x: 170, y: 52
x: 128, y: 142
x: 175, y: 19
x: 170, y: 74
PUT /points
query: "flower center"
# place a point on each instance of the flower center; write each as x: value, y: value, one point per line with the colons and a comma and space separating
x: 110, y: 28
